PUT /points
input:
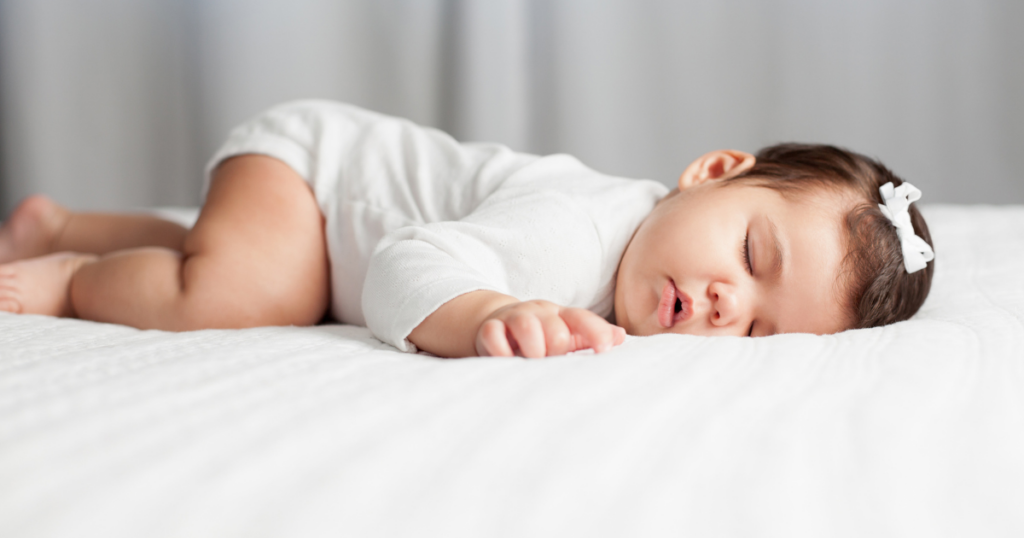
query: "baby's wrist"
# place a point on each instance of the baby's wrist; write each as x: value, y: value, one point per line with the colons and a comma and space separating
x: 451, y: 330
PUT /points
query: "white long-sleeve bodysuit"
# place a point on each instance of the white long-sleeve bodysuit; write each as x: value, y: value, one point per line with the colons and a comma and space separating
x: 415, y: 219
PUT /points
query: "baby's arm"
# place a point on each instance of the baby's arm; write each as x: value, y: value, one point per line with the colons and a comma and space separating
x: 491, y: 323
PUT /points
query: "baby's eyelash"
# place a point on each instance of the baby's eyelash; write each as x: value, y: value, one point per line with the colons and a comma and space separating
x: 745, y: 253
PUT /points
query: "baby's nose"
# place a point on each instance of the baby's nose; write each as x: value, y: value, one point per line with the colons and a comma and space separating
x: 724, y: 304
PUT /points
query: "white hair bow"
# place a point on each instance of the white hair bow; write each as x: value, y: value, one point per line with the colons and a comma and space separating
x: 916, y: 252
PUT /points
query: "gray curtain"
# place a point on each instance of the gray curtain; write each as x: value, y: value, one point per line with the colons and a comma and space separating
x: 114, y: 104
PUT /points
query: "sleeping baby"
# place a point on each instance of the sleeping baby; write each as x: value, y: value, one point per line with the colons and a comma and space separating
x: 474, y: 249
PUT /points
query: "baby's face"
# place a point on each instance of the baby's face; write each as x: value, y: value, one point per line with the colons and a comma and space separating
x: 685, y: 270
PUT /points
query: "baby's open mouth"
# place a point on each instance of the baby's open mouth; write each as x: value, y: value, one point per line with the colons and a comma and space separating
x: 674, y: 307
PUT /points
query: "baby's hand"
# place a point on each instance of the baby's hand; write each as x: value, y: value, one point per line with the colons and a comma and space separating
x: 540, y: 328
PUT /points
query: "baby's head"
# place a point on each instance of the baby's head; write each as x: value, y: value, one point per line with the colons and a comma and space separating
x: 792, y: 240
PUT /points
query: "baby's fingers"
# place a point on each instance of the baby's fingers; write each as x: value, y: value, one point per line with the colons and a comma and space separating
x: 528, y: 333
x: 591, y: 331
x: 557, y: 336
x: 492, y: 340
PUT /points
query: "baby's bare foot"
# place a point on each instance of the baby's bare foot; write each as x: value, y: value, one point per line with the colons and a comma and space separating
x: 40, y: 285
x: 31, y: 229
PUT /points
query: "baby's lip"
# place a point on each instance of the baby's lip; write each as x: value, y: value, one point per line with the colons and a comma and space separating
x: 670, y: 295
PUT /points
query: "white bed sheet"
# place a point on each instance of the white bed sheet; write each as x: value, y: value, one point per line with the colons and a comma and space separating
x: 915, y: 429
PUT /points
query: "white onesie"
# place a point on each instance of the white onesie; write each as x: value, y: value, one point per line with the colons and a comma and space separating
x: 415, y: 219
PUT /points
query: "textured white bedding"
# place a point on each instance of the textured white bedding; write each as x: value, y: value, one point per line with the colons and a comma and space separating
x: 916, y: 429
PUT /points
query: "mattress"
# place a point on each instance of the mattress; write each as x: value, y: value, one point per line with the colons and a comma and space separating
x: 915, y: 429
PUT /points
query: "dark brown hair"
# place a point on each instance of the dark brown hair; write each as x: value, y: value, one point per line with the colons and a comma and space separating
x: 878, y: 289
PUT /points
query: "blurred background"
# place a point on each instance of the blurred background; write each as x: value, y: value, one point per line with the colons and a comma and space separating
x: 117, y: 104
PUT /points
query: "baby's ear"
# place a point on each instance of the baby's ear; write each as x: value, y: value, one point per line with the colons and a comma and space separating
x: 714, y: 166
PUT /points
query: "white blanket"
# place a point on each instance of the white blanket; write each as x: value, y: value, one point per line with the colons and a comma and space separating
x: 915, y: 429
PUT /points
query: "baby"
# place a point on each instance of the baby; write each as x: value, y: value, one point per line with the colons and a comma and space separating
x: 473, y: 249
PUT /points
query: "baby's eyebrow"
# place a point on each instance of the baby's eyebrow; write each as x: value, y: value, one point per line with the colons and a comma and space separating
x: 775, y: 249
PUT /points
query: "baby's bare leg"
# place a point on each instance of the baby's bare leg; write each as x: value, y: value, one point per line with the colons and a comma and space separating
x: 101, y: 233
x: 40, y: 226
x: 255, y: 257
